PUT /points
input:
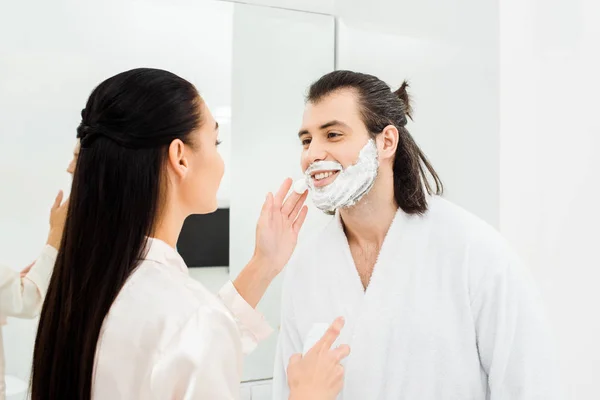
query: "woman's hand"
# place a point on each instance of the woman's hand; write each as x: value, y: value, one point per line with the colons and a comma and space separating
x: 319, y: 375
x: 276, y: 237
x: 278, y: 227
x: 26, y: 270
x: 58, y: 216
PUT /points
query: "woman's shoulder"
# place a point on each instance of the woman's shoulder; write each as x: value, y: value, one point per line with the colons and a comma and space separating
x: 162, y: 324
x: 159, y: 303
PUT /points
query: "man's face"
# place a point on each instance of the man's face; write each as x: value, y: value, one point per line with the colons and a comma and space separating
x: 332, y: 130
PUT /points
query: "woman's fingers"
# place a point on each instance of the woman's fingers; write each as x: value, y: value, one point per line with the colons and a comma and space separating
x: 300, y: 220
x: 26, y: 270
x: 341, y: 352
x: 295, y: 358
x: 281, y: 193
x: 325, y: 343
x: 58, y: 200
x: 267, y: 207
x: 293, y: 204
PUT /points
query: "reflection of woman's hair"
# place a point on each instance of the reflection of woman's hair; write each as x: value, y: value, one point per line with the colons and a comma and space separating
x: 381, y: 107
x: 126, y: 128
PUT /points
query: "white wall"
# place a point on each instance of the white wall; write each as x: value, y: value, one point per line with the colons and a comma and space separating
x: 455, y: 88
x: 550, y: 138
x: 314, y: 6
x: 276, y: 55
x: 460, y: 21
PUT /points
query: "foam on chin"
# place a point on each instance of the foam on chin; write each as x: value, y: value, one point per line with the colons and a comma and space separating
x: 350, y: 185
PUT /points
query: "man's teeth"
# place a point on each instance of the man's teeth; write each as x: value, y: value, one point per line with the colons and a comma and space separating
x: 323, y: 175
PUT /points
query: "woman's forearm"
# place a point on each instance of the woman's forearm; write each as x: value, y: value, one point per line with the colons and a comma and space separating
x: 54, y: 238
x: 253, y: 281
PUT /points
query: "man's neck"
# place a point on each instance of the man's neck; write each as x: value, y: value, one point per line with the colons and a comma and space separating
x: 368, y: 221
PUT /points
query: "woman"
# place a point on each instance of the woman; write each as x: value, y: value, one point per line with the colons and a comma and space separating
x: 122, y: 319
x: 22, y: 293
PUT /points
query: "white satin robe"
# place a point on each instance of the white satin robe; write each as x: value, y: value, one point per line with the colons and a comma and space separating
x: 449, y: 313
x: 167, y: 337
x: 23, y: 297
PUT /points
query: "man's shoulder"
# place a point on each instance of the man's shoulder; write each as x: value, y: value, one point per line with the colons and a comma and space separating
x: 451, y: 222
x: 488, y: 252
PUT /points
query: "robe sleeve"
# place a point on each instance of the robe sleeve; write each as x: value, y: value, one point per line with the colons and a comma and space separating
x: 288, y: 344
x: 23, y: 297
x: 515, y: 345
x: 202, y: 361
x: 252, y: 324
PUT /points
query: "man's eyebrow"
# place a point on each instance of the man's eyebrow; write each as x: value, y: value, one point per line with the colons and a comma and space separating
x: 325, y: 126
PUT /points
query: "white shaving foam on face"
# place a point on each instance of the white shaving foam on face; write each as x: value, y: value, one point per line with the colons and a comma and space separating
x: 350, y: 185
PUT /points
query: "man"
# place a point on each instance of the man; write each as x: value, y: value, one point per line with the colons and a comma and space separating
x: 436, y: 304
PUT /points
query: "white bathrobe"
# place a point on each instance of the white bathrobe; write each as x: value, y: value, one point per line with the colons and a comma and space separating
x: 23, y: 297
x: 449, y: 313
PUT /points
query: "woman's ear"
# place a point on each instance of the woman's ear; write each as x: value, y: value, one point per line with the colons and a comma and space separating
x: 178, y: 161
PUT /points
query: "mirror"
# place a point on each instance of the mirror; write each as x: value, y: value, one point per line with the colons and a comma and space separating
x: 251, y: 64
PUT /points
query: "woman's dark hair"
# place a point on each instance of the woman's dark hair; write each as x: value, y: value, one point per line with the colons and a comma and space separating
x: 126, y: 128
x: 380, y: 107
